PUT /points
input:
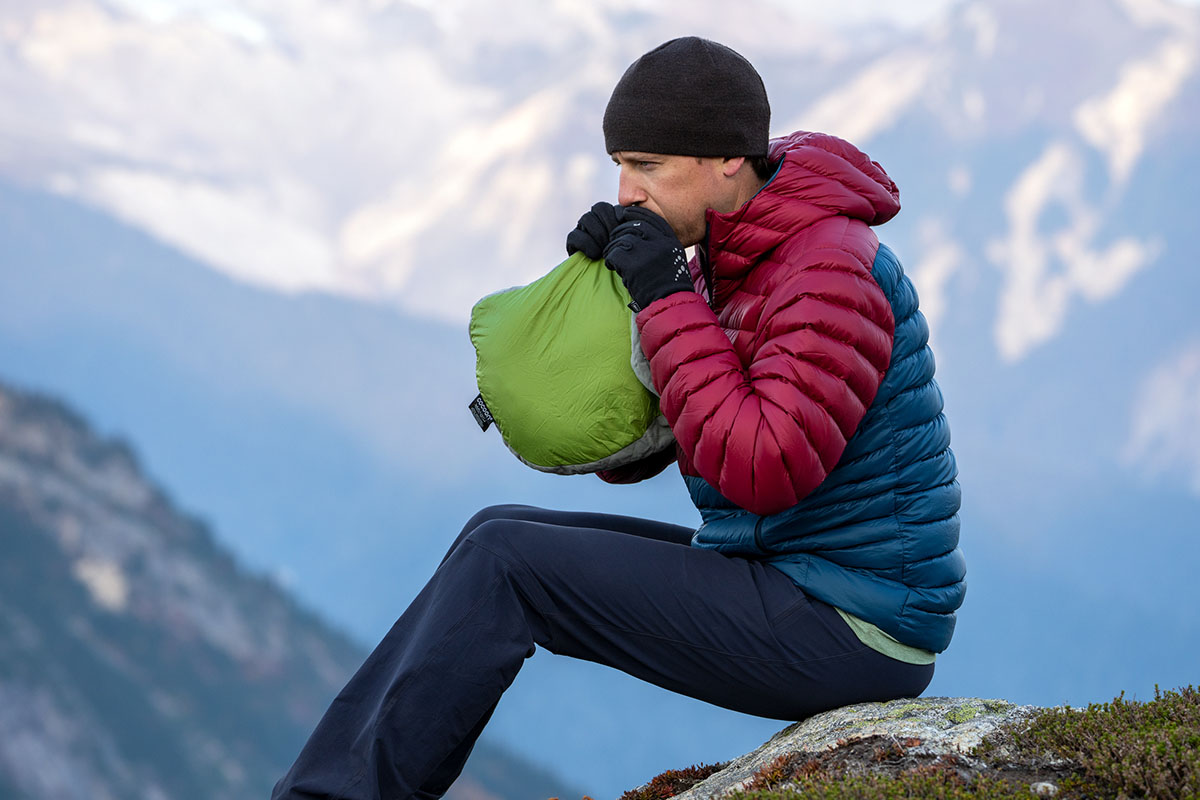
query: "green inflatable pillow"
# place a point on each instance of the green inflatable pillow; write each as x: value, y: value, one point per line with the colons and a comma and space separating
x: 561, y: 372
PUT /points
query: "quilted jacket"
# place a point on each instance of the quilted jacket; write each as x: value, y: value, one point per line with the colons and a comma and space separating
x: 799, y: 386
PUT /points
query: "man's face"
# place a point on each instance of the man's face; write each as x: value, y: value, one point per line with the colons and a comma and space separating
x: 678, y: 188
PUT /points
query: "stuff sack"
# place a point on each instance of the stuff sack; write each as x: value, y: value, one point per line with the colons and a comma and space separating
x: 561, y: 372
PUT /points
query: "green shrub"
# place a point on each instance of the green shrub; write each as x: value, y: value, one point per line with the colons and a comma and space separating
x: 1126, y: 748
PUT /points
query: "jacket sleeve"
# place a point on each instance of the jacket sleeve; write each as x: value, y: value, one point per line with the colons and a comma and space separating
x: 766, y: 428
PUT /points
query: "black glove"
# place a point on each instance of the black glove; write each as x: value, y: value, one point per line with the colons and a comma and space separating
x: 644, y: 251
x: 591, y: 234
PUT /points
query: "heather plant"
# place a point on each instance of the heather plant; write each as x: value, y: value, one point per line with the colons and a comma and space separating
x: 1126, y: 748
x: 908, y: 786
x: 672, y: 782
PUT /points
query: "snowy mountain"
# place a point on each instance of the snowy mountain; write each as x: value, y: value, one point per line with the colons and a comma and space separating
x: 174, y: 174
x: 353, y: 147
x: 328, y: 146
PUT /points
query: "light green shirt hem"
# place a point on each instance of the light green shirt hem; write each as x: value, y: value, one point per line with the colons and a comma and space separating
x: 879, y: 641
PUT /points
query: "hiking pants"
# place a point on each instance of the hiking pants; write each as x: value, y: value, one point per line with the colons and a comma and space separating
x: 629, y: 593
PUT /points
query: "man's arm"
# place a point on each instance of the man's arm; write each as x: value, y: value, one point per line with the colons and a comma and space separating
x: 768, y: 432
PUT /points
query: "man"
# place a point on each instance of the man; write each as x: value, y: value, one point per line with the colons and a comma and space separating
x: 792, y: 365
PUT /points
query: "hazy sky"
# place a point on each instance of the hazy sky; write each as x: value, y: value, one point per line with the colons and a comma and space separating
x: 910, y: 12
x: 227, y: 14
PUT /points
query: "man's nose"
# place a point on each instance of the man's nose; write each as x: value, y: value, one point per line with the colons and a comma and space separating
x: 629, y: 191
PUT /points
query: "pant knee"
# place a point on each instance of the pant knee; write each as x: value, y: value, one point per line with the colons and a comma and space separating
x: 511, y: 550
x: 482, y: 517
x: 503, y: 511
x: 495, y: 536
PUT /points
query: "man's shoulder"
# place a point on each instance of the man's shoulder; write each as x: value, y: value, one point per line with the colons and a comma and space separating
x: 834, y: 241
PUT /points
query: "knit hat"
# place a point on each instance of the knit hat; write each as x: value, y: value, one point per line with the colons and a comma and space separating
x: 689, y: 97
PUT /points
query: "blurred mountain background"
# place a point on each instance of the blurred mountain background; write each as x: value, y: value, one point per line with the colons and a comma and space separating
x: 137, y: 659
x: 246, y: 238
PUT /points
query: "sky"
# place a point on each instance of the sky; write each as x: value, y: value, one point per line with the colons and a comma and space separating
x: 228, y: 15
x: 231, y: 18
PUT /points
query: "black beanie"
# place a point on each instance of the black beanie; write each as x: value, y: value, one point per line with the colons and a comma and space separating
x: 689, y: 97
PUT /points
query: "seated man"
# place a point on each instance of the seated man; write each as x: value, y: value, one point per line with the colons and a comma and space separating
x: 793, y: 369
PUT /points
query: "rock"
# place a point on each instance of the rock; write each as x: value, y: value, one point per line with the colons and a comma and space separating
x: 941, y: 724
x: 1043, y: 789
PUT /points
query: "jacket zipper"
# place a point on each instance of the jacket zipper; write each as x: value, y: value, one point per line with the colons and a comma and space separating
x: 706, y: 271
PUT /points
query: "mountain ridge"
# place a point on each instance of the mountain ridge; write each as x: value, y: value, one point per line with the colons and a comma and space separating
x: 138, y: 658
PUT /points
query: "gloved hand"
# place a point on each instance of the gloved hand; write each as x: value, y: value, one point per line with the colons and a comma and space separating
x: 645, y: 252
x: 591, y: 233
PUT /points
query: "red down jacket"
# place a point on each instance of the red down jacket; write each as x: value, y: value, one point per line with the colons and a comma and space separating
x: 765, y: 381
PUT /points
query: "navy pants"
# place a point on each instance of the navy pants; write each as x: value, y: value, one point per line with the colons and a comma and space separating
x: 629, y: 593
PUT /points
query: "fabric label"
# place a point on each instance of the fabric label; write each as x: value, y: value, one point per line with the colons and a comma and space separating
x: 483, y: 416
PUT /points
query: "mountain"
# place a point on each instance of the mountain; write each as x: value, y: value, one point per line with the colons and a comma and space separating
x: 264, y: 286
x: 137, y: 658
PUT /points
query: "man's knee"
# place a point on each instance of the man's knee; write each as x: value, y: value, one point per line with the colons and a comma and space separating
x: 495, y: 535
x: 517, y: 551
x: 481, y: 517
x: 502, y: 511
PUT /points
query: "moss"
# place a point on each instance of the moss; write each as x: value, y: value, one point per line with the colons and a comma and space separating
x: 906, y: 710
x: 899, y: 712
x: 962, y: 714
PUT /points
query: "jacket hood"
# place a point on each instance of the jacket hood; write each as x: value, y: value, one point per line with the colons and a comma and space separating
x: 818, y: 176
x: 844, y: 178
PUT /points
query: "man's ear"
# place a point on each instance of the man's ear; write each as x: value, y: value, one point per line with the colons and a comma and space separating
x: 730, y: 166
